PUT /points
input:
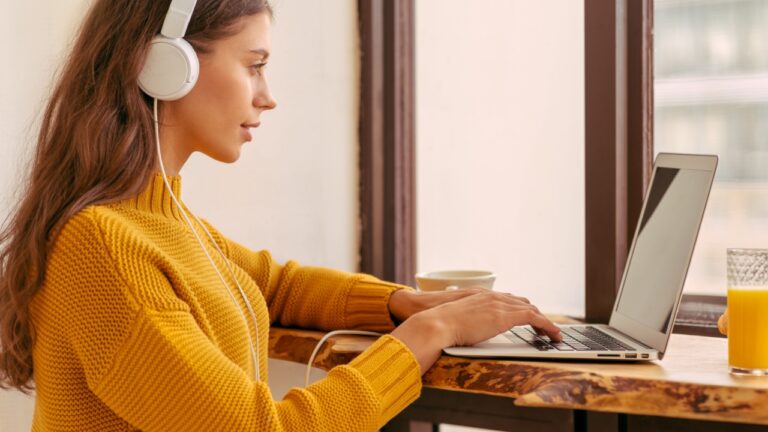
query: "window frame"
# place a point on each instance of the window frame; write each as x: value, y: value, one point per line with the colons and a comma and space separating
x: 618, y: 61
x: 619, y: 151
x: 387, y: 140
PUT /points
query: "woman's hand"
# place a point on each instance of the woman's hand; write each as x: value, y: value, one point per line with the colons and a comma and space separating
x: 722, y: 323
x: 477, y: 315
x: 406, y: 303
x: 484, y: 314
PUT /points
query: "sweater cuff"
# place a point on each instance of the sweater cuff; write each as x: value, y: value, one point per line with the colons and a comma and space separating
x: 393, y: 373
x: 368, y: 304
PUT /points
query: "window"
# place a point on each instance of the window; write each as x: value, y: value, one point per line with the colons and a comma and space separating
x: 711, y: 96
x: 500, y: 145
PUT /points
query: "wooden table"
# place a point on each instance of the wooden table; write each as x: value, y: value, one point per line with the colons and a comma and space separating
x: 690, y: 389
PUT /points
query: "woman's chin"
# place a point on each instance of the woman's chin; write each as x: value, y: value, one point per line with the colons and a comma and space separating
x: 232, y: 158
x: 226, y: 157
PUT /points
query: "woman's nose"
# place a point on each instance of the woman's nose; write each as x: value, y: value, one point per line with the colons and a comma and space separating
x: 265, y: 100
x: 271, y: 103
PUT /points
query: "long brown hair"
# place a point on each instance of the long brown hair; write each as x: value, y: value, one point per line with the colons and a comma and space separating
x: 95, y: 146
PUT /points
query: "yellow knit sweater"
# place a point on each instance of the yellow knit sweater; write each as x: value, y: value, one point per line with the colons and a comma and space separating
x: 135, y: 331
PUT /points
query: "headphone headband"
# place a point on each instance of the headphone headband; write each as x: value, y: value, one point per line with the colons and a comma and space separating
x: 177, y: 20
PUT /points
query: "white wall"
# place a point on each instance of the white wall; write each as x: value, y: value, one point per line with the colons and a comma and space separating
x: 500, y: 138
x: 36, y: 39
x: 294, y: 191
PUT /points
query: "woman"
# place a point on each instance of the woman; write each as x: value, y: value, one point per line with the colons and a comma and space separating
x: 125, y: 312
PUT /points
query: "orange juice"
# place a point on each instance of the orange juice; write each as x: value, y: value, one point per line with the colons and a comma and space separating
x: 748, y: 328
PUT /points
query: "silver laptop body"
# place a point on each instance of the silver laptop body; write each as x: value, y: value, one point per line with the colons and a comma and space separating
x: 652, y: 285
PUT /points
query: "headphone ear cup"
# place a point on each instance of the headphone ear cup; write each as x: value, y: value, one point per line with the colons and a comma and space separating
x: 170, y: 70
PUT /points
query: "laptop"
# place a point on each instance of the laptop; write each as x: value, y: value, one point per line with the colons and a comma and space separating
x: 651, y: 286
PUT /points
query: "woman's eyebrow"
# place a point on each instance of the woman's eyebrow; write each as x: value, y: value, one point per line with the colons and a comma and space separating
x: 262, y: 52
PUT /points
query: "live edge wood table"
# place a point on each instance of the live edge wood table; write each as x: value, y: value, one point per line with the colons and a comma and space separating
x: 689, y: 390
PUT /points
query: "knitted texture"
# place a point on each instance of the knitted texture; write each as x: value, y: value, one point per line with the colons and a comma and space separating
x: 135, y: 331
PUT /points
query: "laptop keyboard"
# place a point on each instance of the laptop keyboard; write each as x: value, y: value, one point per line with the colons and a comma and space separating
x: 586, y: 338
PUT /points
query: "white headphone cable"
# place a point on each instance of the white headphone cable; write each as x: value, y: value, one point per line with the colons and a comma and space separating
x: 319, y: 344
x: 254, y: 357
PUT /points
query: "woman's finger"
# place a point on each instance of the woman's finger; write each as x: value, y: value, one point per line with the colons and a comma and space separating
x: 511, y: 299
x: 522, y: 299
x: 542, y: 323
x: 538, y: 322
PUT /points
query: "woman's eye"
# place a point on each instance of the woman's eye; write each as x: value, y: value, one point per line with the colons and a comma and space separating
x: 258, y: 67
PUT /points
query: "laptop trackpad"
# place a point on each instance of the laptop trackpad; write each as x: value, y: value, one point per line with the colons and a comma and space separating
x: 501, y: 341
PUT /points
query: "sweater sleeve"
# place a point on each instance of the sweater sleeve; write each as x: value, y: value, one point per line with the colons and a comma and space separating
x: 152, y: 365
x: 168, y: 377
x: 315, y: 297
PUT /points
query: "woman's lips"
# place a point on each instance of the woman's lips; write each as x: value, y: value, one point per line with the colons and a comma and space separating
x: 246, y: 130
x: 246, y: 133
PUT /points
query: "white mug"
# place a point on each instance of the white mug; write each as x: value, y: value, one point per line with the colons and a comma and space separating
x: 454, y: 279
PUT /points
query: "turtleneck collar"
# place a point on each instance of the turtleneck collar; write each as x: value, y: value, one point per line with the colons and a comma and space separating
x: 156, y: 199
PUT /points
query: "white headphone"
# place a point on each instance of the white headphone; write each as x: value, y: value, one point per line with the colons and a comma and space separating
x: 171, y: 67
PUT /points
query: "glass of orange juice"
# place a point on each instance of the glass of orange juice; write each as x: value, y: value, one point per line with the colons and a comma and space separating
x: 748, y: 311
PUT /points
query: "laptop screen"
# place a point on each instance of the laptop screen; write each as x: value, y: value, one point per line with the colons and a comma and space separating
x: 664, y: 240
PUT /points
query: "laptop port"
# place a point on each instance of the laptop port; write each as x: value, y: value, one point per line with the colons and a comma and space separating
x: 645, y: 355
x: 609, y: 355
x: 630, y: 355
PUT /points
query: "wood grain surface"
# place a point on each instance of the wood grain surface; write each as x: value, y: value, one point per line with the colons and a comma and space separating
x: 692, y: 381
